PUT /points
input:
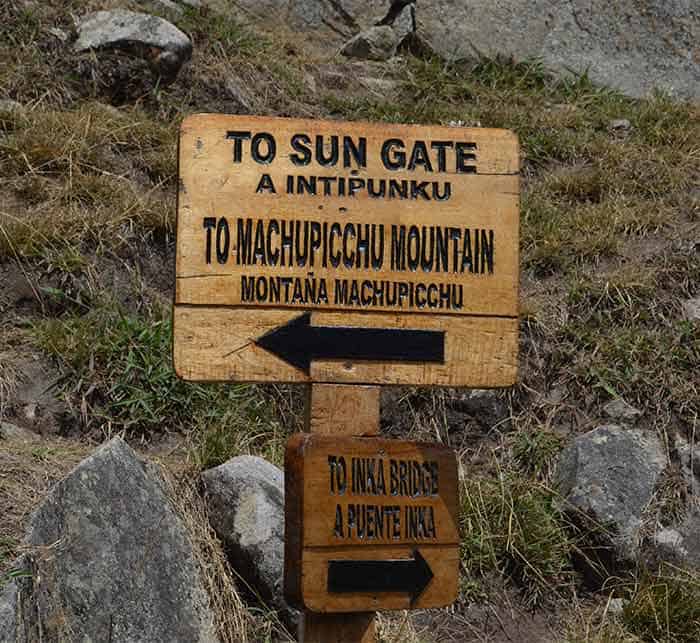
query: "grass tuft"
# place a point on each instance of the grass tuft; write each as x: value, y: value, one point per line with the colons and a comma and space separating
x: 513, y: 526
x: 665, y: 608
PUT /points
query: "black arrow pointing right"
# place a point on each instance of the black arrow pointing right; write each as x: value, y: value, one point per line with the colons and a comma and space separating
x: 410, y: 575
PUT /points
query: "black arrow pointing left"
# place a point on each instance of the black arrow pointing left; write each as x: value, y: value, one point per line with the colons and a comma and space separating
x: 299, y: 343
x: 410, y: 575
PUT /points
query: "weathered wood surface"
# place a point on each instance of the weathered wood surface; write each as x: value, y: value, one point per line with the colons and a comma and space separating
x: 370, y: 499
x: 218, y: 344
x: 329, y: 403
x: 444, y: 257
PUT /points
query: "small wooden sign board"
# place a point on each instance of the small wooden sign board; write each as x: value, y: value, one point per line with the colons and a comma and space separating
x: 372, y: 524
x: 318, y: 251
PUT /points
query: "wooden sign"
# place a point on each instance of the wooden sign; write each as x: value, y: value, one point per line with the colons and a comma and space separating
x: 346, y: 252
x: 370, y: 524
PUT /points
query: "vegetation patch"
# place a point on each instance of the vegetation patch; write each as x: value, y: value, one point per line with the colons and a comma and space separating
x: 665, y: 607
x: 512, y: 526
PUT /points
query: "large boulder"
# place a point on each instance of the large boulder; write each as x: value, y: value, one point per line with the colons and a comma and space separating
x: 632, y: 45
x: 112, y: 559
x: 10, y: 628
x: 610, y: 474
x: 158, y: 41
x: 245, y: 498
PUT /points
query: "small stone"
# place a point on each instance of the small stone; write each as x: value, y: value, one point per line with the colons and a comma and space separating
x: 7, y: 105
x: 245, y: 497
x: 669, y: 538
x: 233, y: 89
x: 9, y: 613
x: 375, y: 43
x: 58, y: 34
x: 13, y: 432
x: 618, y: 409
x: 168, y: 5
x: 690, y: 531
x: 616, y: 606
x: 610, y: 474
x: 137, y: 33
x: 620, y: 124
x: 691, y: 309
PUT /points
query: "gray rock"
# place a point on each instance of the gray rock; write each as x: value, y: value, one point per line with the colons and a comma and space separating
x: 238, y: 95
x: 632, y: 45
x: 682, y: 544
x: 484, y: 405
x: 10, y: 628
x: 167, y: 6
x: 161, y: 43
x: 610, y: 474
x: 616, y: 606
x: 690, y: 530
x: 119, y: 564
x: 691, y: 309
x: 7, y: 105
x: 375, y: 43
x: 618, y: 409
x: 245, y: 497
x: 689, y: 460
x: 620, y: 124
x: 10, y: 431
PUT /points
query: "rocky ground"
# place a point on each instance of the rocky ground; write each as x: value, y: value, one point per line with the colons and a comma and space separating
x: 579, y: 486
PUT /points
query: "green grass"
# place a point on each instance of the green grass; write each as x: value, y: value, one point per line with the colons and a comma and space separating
x: 630, y: 342
x: 512, y: 526
x: 665, y: 607
x: 120, y: 366
x: 535, y: 452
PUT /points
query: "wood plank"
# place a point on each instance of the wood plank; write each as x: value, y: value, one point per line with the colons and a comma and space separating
x: 345, y: 401
x: 218, y: 344
x: 343, y: 409
x: 403, y: 232
x: 382, y: 502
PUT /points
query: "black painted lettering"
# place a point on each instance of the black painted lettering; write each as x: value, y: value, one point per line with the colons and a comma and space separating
x: 266, y: 185
x: 353, y: 152
x: 244, y: 245
x: 223, y: 238
x: 338, y: 528
x: 393, y: 154
x: 441, y: 147
x: 330, y: 159
x: 238, y: 138
x: 419, y: 157
x: 263, y: 148
x: 299, y: 144
x: 466, y: 158
x: 209, y: 223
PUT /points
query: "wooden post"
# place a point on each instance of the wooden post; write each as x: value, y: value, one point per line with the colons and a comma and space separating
x: 342, y: 410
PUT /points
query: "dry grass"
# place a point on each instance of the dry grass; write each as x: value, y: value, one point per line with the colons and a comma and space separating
x: 28, y: 469
x: 610, y: 227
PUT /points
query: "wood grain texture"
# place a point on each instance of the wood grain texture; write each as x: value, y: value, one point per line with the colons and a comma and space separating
x: 464, y: 275
x: 338, y: 409
x: 356, y: 627
x: 217, y: 344
x: 316, y: 498
x: 212, y: 185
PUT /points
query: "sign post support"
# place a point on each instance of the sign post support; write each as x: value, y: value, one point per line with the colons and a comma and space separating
x: 339, y: 409
x: 349, y: 256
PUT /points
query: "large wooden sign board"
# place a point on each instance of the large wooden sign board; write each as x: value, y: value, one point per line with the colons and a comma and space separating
x: 312, y: 251
x: 371, y: 524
